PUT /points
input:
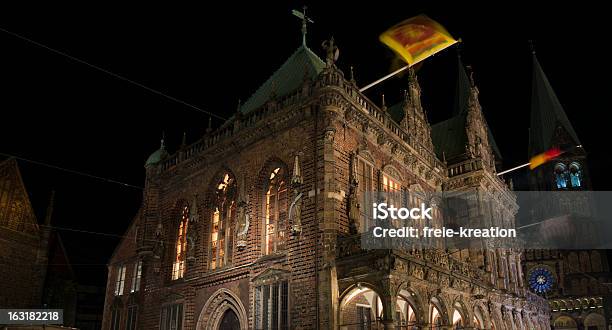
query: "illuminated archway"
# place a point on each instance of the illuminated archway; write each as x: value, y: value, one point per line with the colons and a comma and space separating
x: 595, y: 320
x: 360, y: 308
x: 565, y: 322
x: 407, y: 314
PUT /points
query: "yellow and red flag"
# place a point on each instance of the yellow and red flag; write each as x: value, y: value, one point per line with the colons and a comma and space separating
x: 544, y: 157
x: 417, y: 38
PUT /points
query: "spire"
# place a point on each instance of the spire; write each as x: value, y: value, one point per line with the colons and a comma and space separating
x: 209, y: 128
x: 162, y: 145
x: 384, y: 105
x: 462, y: 88
x: 184, y: 140
x: 547, y: 114
x: 297, y: 173
x: 305, y: 20
x: 50, y: 207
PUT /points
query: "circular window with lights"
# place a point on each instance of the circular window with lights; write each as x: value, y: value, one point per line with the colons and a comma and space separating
x: 541, y: 280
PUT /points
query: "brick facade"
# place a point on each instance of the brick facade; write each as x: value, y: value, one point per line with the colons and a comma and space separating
x: 314, y: 133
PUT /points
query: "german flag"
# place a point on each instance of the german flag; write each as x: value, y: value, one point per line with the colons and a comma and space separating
x: 417, y: 38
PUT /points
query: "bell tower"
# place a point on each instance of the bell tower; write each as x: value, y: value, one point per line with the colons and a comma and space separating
x: 551, y: 128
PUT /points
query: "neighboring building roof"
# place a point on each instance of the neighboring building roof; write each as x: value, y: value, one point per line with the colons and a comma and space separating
x: 288, y: 78
x: 546, y: 113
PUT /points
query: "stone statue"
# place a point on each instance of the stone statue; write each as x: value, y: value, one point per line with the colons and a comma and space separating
x: 242, y: 225
x: 353, y: 200
x: 295, y: 209
x: 295, y: 214
x: 332, y: 51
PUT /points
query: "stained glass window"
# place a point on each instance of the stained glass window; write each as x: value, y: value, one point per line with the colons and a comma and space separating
x: 275, y: 211
x: 178, y: 266
x: 223, y: 215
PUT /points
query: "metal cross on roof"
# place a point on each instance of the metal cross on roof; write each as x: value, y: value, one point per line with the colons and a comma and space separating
x: 305, y: 20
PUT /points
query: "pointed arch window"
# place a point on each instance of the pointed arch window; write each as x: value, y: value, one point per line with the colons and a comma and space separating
x: 178, y: 266
x: 275, y: 211
x: 561, y: 176
x: 392, y: 189
x: 365, y: 175
x: 224, y: 212
x: 575, y: 174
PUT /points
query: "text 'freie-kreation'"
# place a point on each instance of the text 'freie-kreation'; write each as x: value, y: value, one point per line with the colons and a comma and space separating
x: 384, y: 211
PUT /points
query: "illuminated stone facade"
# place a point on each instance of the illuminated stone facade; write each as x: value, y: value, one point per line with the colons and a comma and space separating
x: 274, y: 198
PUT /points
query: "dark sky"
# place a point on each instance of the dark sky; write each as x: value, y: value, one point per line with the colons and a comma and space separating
x: 65, y: 113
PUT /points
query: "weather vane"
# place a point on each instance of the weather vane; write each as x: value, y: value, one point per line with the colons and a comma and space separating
x: 305, y: 20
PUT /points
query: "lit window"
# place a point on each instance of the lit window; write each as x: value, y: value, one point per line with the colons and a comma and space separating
x: 220, y: 234
x: 275, y: 211
x: 561, y: 176
x: 272, y: 306
x: 178, y: 266
x: 392, y: 189
x: 575, y: 174
x: 120, y: 281
x: 136, y: 276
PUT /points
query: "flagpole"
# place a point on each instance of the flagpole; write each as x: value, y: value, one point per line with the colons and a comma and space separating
x: 513, y: 169
x: 385, y: 78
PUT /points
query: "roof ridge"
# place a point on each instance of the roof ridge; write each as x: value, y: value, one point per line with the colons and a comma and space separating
x: 289, y: 82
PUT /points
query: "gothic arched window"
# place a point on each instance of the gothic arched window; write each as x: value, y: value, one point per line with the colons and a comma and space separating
x: 561, y: 176
x: 222, y: 218
x: 575, y: 174
x: 365, y: 175
x: 275, y: 210
x: 178, y: 266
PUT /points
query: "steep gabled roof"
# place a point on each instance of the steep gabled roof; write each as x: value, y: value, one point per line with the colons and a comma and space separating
x: 9, y: 171
x: 288, y: 78
x: 546, y: 113
x: 449, y: 136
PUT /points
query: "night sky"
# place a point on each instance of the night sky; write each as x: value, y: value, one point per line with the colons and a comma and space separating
x: 59, y: 111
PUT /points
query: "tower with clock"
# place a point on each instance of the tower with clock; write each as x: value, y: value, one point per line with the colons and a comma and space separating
x: 571, y: 280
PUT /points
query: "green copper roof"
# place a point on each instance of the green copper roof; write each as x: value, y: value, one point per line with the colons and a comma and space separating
x: 448, y: 136
x: 157, y: 156
x: 546, y: 113
x: 288, y: 78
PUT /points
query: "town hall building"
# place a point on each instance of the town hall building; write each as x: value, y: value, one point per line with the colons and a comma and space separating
x: 258, y: 224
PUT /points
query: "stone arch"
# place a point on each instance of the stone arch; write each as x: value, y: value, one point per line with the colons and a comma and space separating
x: 595, y: 320
x: 394, y: 173
x: 460, y: 310
x: 366, y: 155
x: 480, y: 316
x: 415, y: 301
x: 215, y: 307
x: 359, y: 303
x: 437, y: 308
x: 565, y: 322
